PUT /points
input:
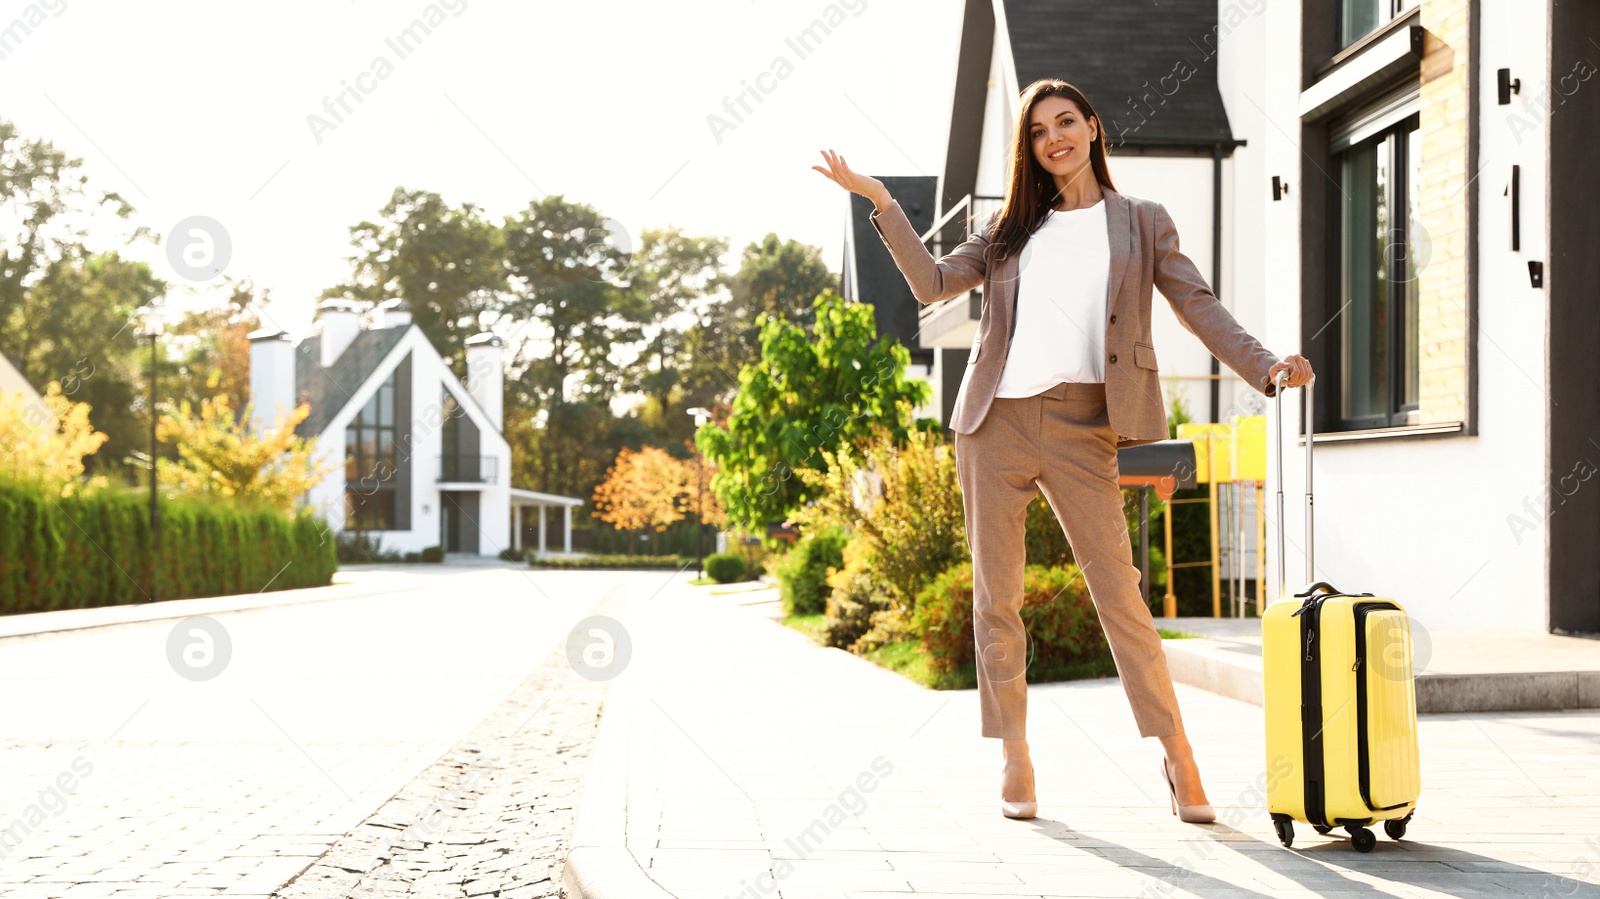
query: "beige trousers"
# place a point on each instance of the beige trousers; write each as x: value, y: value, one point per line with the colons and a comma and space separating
x: 1059, y: 442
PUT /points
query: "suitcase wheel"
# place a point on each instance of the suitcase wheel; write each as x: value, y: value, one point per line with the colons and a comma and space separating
x: 1396, y: 827
x: 1321, y: 829
x: 1361, y: 838
x: 1285, y: 827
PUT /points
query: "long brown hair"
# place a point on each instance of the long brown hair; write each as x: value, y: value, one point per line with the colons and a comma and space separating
x: 1030, y: 191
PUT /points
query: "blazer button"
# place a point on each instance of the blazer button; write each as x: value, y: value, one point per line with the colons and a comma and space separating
x: 1113, y: 319
x: 1113, y: 357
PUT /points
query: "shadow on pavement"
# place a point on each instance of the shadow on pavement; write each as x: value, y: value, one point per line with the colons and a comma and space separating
x: 1312, y: 866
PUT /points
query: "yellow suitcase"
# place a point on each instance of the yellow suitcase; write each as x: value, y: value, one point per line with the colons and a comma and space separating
x: 1341, y: 710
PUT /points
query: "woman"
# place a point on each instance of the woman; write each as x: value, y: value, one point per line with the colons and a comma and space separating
x: 1062, y: 373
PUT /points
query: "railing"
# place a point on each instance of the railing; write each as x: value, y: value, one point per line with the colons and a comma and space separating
x: 466, y: 469
x: 939, y: 319
x: 973, y: 211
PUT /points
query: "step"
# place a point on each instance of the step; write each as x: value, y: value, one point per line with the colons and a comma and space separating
x: 1456, y: 671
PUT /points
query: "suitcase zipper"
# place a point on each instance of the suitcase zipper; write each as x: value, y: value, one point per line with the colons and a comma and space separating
x: 1311, y: 712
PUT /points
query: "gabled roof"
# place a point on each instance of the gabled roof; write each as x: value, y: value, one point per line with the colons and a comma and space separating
x: 329, y: 390
x: 1117, y: 52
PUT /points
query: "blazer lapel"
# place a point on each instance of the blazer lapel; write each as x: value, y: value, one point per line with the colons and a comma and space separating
x: 1119, y: 235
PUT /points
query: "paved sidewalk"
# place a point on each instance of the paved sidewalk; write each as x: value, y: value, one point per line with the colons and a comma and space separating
x: 756, y: 764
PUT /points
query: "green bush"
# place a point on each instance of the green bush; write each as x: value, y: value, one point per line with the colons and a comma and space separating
x: 803, y: 573
x: 677, y: 563
x: 909, y: 515
x: 95, y: 549
x: 1057, y: 612
x: 725, y: 568
x: 433, y: 554
x: 850, y: 608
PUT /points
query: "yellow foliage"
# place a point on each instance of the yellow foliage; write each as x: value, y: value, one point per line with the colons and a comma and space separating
x: 220, y: 455
x: 48, y: 444
x: 650, y: 488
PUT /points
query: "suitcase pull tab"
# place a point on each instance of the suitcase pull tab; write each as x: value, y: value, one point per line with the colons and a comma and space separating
x: 1356, y: 666
x: 1310, y: 636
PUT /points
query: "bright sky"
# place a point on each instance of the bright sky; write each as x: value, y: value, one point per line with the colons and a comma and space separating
x: 201, y: 108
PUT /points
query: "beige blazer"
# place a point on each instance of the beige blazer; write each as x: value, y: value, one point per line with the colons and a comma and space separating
x: 1144, y: 254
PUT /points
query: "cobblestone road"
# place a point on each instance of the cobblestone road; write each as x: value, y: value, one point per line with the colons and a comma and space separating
x: 447, y: 707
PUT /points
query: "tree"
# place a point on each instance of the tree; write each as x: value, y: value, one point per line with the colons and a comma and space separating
x: 443, y: 260
x: 774, y: 278
x: 641, y: 490
x: 208, y: 350
x: 565, y: 271
x: 674, y: 274
x: 65, y: 308
x: 651, y: 488
x: 75, y: 324
x: 46, y: 442
x: 809, y: 391
x: 219, y: 454
x: 43, y: 202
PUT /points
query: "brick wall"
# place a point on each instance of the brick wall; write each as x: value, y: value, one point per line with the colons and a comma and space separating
x: 1442, y: 208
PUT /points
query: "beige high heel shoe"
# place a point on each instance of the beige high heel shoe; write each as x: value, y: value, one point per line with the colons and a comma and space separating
x: 1189, y: 814
x: 1018, y: 809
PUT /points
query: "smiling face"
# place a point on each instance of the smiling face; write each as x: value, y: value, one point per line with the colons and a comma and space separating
x: 1060, y: 136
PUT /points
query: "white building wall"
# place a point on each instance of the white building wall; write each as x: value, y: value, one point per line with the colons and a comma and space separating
x: 427, y: 373
x: 1184, y: 186
x: 1425, y: 521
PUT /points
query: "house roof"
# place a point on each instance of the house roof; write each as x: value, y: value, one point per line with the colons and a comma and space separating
x: 1118, y: 54
x: 329, y: 390
x: 877, y: 278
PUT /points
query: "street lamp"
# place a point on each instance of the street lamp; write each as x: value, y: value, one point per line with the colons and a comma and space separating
x: 701, y: 416
x: 151, y: 326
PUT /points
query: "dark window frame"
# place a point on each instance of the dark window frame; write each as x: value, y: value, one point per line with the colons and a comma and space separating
x: 1402, y: 346
x: 372, y: 490
x: 1386, y: 11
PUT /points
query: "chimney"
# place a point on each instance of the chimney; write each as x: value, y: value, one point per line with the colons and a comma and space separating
x: 271, y: 377
x: 340, y: 322
x: 486, y: 376
x: 395, y: 313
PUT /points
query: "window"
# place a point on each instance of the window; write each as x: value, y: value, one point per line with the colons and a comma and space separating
x: 1359, y: 18
x: 370, y: 470
x: 1381, y: 251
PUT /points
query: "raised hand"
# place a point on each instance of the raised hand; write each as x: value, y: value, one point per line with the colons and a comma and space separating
x: 838, y: 171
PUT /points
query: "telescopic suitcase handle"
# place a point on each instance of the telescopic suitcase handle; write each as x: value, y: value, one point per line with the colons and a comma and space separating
x: 1283, y: 584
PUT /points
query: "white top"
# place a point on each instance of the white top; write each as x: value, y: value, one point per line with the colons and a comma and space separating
x: 1061, y: 304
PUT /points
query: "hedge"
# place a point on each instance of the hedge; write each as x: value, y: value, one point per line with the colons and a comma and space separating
x: 93, y: 549
x: 1057, y: 612
x: 676, y: 563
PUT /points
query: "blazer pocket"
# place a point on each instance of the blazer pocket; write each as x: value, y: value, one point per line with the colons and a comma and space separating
x: 1144, y: 356
x: 977, y: 346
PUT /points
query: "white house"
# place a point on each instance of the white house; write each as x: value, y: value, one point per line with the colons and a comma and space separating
x: 1435, y: 257
x: 12, y: 381
x: 425, y: 462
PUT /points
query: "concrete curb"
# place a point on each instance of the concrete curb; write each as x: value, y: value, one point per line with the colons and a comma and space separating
x: 35, y: 624
x: 598, y: 864
x: 1233, y: 669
